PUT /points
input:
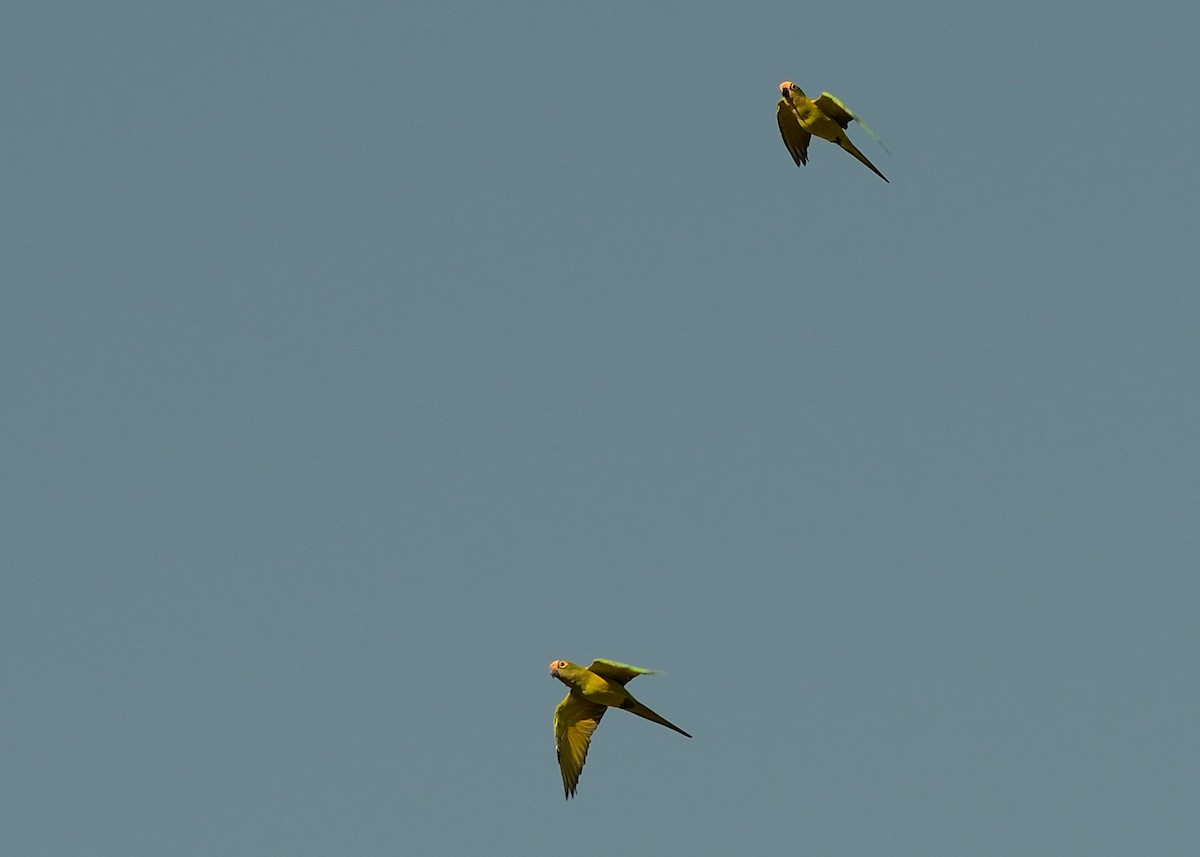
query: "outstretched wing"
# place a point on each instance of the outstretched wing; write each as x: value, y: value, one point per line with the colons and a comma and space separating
x: 620, y: 673
x: 575, y: 720
x: 834, y: 109
x: 794, y: 136
x: 841, y: 114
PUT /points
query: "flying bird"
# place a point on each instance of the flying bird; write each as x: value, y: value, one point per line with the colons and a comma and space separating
x: 800, y: 118
x: 591, y: 691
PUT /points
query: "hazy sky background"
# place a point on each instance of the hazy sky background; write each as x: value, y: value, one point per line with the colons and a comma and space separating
x: 360, y: 359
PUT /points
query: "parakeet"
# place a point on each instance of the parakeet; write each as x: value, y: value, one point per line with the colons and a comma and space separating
x: 592, y: 690
x: 800, y: 118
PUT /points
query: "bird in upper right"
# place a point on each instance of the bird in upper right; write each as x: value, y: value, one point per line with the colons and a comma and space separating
x: 801, y: 118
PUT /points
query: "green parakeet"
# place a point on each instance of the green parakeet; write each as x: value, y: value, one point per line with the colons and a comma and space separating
x: 800, y: 118
x: 592, y: 690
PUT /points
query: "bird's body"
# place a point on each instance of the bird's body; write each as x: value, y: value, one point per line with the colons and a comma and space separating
x: 592, y: 690
x: 801, y: 118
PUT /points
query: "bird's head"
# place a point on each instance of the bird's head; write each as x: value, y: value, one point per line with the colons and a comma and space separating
x: 563, y: 671
x: 787, y: 88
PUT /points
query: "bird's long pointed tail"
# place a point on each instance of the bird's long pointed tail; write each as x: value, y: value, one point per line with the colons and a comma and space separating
x: 845, y: 143
x: 635, y: 707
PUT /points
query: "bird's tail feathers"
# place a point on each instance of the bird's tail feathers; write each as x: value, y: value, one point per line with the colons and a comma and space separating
x: 845, y: 143
x: 635, y: 707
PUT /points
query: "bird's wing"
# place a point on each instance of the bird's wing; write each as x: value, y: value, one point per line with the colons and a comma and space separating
x: 834, y: 109
x: 874, y: 136
x: 575, y: 720
x: 840, y: 113
x: 794, y: 136
x: 613, y: 671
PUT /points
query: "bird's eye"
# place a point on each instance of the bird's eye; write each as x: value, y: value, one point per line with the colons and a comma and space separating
x: 561, y: 664
x: 794, y: 88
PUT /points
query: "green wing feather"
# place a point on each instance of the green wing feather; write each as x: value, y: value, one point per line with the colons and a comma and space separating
x: 832, y: 107
x: 794, y: 136
x: 874, y: 136
x: 620, y: 673
x: 575, y: 720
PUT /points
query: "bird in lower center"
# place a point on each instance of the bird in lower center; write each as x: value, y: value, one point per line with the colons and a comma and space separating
x: 592, y: 690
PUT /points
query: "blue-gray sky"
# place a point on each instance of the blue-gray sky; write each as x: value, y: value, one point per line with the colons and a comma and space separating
x: 360, y: 359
